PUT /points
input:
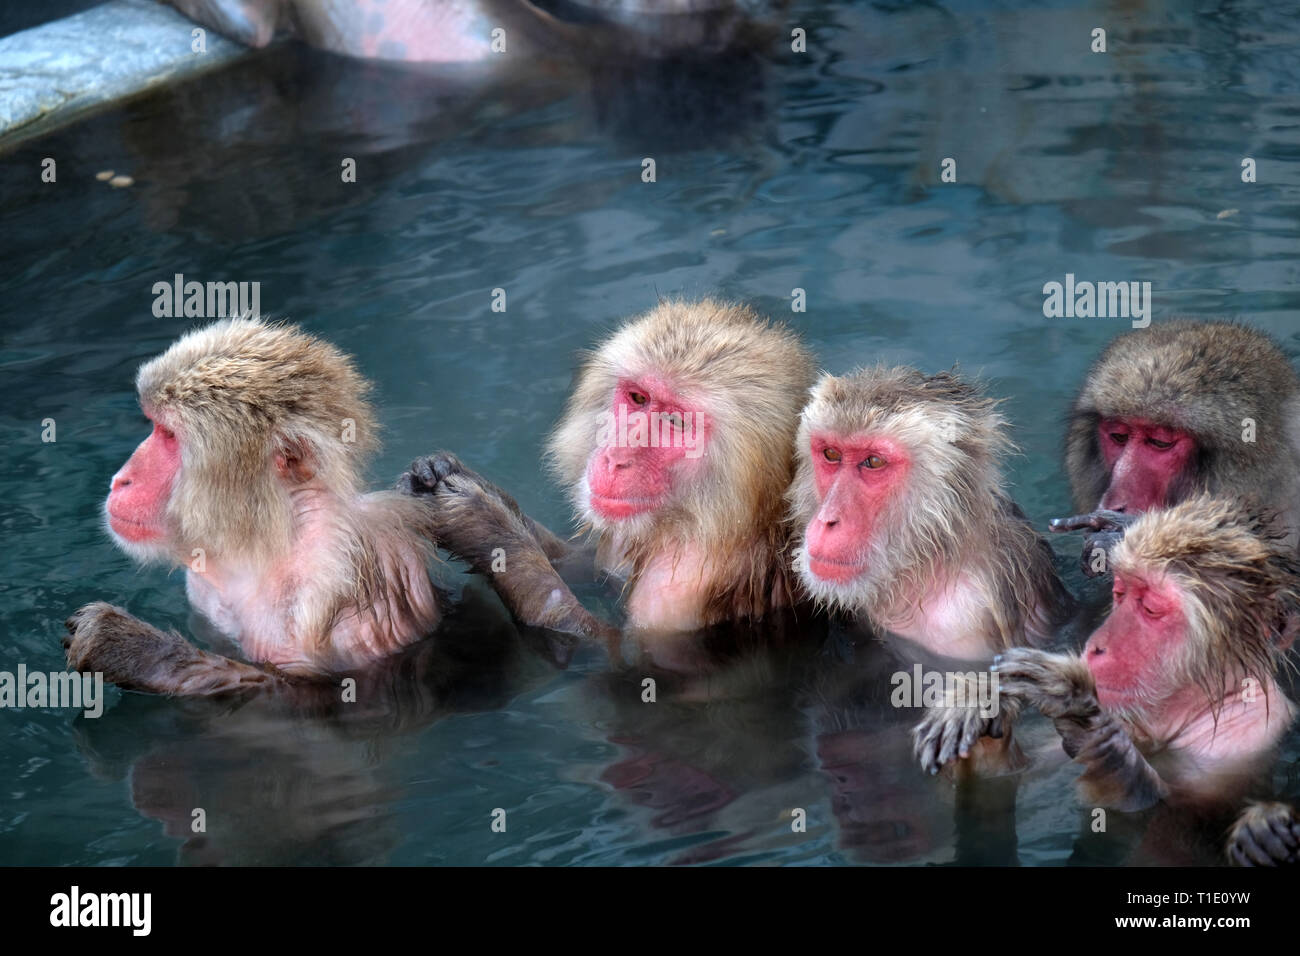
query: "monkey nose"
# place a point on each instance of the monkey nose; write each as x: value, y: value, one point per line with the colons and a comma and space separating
x: 618, y: 457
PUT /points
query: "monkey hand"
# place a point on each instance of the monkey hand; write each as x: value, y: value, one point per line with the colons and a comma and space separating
x: 137, y: 656
x: 1061, y: 687
x: 1105, y: 530
x: 947, y: 733
x: 1266, y: 834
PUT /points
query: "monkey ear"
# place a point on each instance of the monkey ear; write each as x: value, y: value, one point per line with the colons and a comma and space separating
x: 1288, y: 628
x: 295, y: 461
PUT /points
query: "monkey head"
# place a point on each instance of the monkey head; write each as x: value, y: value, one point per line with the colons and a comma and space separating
x: 1177, y: 408
x: 893, y: 469
x: 244, y: 414
x: 1203, y: 593
x: 681, y: 423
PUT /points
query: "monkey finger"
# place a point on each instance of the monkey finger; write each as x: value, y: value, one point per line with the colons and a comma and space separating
x: 954, y: 740
x: 1074, y: 523
x: 1276, y: 848
x: 925, y: 738
x: 1287, y: 832
x: 422, y: 468
x: 975, y: 729
x: 441, y: 464
x: 1253, y: 852
x: 1237, y: 857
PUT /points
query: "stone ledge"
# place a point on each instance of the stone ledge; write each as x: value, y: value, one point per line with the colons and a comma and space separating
x: 53, y: 73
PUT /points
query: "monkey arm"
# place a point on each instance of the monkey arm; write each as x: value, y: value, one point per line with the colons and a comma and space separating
x: 481, y: 524
x: 137, y: 656
x: 1265, y: 834
x: 1061, y: 687
x: 428, y: 472
x: 1105, y: 530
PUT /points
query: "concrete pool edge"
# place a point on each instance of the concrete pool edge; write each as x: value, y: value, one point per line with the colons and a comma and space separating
x: 60, y: 71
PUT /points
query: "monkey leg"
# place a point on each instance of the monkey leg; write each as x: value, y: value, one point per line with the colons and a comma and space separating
x: 1266, y: 834
x: 481, y: 524
x: 1116, y: 774
x: 1105, y: 530
x: 137, y: 656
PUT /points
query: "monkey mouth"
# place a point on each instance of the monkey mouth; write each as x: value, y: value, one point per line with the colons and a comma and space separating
x: 132, y: 530
x: 833, y: 569
x: 1112, y: 698
x: 615, y: 508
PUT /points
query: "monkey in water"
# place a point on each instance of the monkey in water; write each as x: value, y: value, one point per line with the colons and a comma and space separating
x: 675, y: 450
x: 250, y: 479
x: 1174, y: 696
x: 1176, y: 409
x: 902, y: 516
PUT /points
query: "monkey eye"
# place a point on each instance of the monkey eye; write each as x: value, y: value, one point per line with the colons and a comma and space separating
x: 873, y: 461
x: 1118, y: 438
x: 832, y: 454
x: 675, y: 420
x: 1151, y: 612
x: 1161, y: 445
x: 638, y: 398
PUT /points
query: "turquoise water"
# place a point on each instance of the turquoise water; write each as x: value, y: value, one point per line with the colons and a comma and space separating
x: 818, y: 171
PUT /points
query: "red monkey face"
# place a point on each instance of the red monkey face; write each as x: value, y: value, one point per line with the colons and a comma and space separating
x: 1142, y: 641
x: 855, y: 478
x: 1145, y: 462
x: 137, y: 502
x: 649, y: 442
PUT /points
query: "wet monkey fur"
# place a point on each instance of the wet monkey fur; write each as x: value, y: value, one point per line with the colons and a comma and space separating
x: 250, y: 479
x: 674, y: 448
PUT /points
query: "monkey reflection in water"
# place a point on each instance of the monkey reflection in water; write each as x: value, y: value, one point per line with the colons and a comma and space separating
x: 312, y: 773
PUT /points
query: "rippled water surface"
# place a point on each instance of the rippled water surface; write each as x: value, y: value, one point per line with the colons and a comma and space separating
x: 817, y: 171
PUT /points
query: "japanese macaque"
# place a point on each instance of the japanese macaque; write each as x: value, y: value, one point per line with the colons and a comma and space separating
x: 902, y: 517
x: 250, y: 479
x: 1174, y: 697
x: 467, y: 31
x: 675, y: 447
x: 1179, y: 408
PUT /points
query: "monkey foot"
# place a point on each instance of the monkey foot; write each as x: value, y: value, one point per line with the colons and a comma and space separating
x: 1266, y: 834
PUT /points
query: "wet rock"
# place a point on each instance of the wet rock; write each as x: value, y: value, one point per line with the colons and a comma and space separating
x: 55, y: 71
